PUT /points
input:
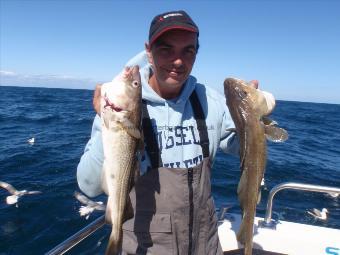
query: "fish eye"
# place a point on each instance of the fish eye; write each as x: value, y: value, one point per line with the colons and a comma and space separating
x: 135, y: 84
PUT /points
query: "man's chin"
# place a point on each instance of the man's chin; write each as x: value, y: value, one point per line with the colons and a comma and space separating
x: 175, y: 81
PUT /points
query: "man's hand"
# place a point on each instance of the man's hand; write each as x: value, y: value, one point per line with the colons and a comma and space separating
x: 96, y: 98
x: 270, y: 100
x: 254, y: 83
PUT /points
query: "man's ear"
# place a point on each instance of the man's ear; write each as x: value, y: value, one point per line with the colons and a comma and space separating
x: 148, y: 53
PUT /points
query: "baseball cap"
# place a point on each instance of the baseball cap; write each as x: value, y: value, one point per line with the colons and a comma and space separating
x: 170, y: 21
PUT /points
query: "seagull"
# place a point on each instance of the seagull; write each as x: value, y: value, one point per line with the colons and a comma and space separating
x: 319, y: 215
x: 16, y: 194
x: 90, y: 205
x: 31, y: 140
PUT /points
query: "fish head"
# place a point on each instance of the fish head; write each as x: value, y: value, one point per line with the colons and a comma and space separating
x: 123, y: 94
x: 240, y: 93
x: 133, y: 87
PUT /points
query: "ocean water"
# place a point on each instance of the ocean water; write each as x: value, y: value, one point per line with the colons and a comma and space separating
x: 61, y: 119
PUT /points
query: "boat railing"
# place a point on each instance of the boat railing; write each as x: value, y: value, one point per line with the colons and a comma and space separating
x: 295, y: 186
x: 100, y: 221
x: 72, y: 241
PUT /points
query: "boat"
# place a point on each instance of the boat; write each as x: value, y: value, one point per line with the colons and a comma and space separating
x: 271, y: 236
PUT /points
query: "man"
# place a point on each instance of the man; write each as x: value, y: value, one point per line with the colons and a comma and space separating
x: 184, y: 124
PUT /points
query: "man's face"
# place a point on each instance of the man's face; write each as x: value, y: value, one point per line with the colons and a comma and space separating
x: 172, y: 56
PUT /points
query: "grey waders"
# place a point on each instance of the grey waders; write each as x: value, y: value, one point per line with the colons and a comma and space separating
x: 174, y: 209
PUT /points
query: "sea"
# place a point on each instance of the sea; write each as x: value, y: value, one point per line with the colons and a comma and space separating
x: 60, y: 120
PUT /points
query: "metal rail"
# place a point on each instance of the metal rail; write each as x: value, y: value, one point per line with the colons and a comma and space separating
x: 295, y: 186
x: 78, y: 237
x: 100, y: 221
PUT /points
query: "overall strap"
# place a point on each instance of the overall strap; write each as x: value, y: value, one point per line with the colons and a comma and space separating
x: 150, y: 138
x: 201, y: 124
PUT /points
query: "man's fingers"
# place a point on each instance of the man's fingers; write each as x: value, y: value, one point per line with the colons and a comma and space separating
x: 96, y: 98
x: 254, y: 83
x: 98, y: 89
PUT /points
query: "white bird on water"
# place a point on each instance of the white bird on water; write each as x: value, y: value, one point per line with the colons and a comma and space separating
x: 16, y: 194
x: 31, y: 140
x: 90, y: 205
x: 317, y: 214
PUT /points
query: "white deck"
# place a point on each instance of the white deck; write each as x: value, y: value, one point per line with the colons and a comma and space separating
x: 288, y: 237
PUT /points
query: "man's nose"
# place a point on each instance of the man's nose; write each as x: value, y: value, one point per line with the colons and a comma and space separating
x: 178, y: 61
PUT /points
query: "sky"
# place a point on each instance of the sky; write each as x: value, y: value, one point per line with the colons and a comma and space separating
x: 291, y: 47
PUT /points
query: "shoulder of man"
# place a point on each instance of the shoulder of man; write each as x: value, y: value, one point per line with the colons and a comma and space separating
x: 212, y: 95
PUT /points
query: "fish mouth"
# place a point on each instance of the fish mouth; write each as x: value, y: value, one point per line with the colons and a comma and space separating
x: 111, y: 105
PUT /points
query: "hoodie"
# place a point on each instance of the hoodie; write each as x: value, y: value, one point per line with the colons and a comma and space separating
x: 175, y: 128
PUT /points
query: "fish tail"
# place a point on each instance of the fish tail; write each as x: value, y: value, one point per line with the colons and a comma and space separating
x: 245, y: 234
x: 247, y: 246
x: 241, y: 234
x: 248, y: 250
x: 114, y: 218
x: 115, y: 243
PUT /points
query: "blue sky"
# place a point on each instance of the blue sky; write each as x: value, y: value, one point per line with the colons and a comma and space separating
x: 291, y: 47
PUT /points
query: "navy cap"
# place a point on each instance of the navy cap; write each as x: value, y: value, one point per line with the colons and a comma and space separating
x: 170, y: 21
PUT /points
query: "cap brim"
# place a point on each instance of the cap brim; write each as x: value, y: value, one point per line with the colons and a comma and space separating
x: 168, y: 28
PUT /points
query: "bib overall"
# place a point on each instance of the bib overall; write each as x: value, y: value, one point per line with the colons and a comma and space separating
x: 174, y: 211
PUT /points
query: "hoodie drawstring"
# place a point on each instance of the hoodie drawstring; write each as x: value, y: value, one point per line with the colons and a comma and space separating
x: 166, y: 134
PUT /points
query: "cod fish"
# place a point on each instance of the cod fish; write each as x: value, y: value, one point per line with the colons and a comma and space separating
x: 248, y: 108
x: 121, y: 134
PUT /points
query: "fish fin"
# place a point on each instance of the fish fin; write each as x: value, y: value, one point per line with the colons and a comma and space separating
x: 242, y: 193
x: 104, y: 180
x: 108, y: 218
x: 259, y: 197
x: 242, y: 189
x: 136, y: 173
x: 105, y: 116
x: 128, y: 211
x: 105, y: 120
x: 241, y: 233
x: 275, y: 134
x: 130, y: 128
